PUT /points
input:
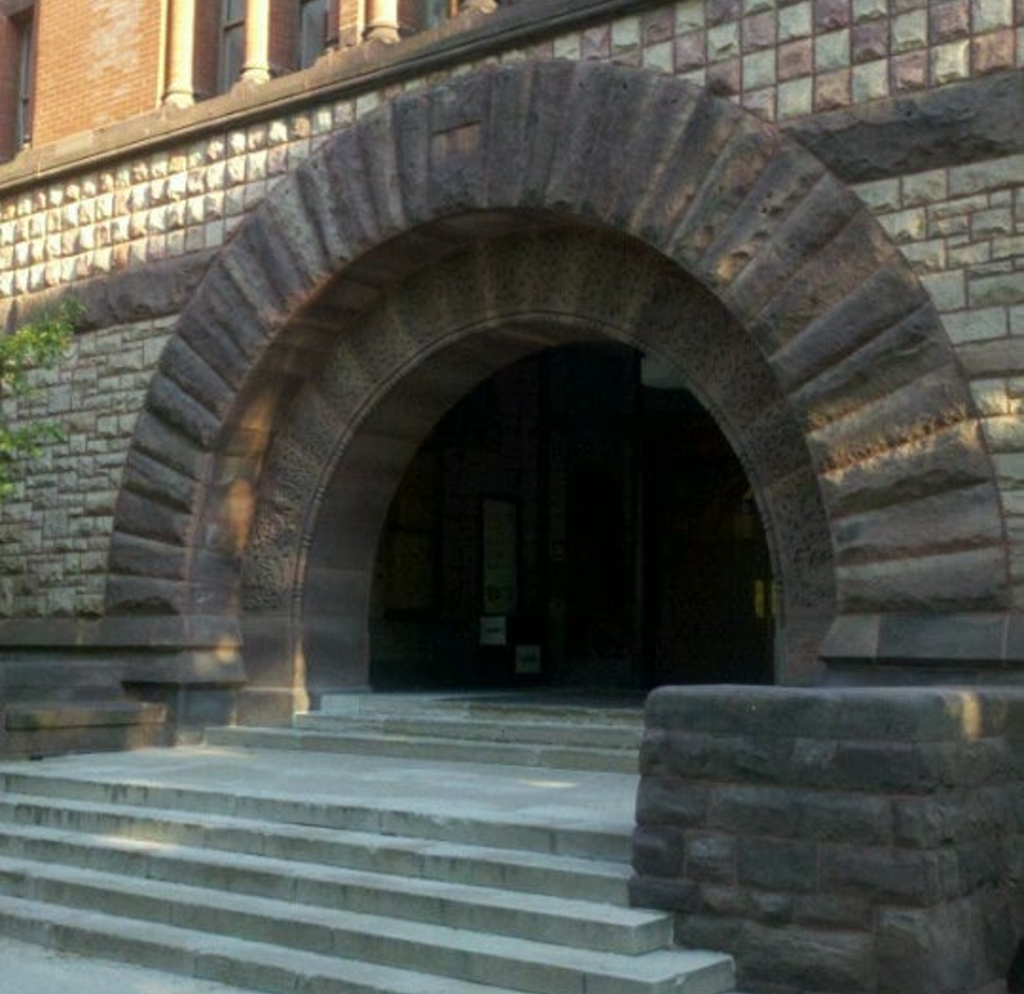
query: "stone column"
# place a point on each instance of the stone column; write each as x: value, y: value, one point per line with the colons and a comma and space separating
x: 256, y: 67
x: 180, y: 91
x: 381, y: 20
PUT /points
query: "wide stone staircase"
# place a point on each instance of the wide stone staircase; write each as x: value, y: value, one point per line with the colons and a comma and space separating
x: 353, y: 854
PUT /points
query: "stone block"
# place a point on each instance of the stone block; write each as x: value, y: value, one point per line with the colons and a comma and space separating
x: 934, y: 951
x: 779, y: 865
x: 829, y: 815
x: 942, y: 639
x: 143, y: 557
x: 665, y: 894
x: 883, y: 318
x: 898, y: 714
x: 854, y: 914
x: 964, y: 517
x: 714, y: 758
x: 955, y: 582
x: 920, y: 768
x: 751, y: 810
x: 795, y: 957
x: 889, y: 876
x: 671, y: 801
x: 659, y: 851
x: 141, y: 516
x: 127, y: 594
x: 710, y: 857
x: 946, y: 819
x: 947, y: 458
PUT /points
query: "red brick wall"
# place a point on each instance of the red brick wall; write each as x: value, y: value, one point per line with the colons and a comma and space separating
x: 97, y: 62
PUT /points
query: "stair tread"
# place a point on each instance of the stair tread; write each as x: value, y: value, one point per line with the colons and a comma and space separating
x: 131, y: 793
x: 296, y: 871
x: 208, y: 953
x: 612, y: 870
x: 367, y: 733
x: 167, y: 898
x: 622, y: 735
x: 411, y: 735
x: 511, y: 754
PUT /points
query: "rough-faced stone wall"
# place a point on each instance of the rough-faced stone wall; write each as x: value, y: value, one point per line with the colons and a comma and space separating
x: 849, y: 842
x: 55, y: 533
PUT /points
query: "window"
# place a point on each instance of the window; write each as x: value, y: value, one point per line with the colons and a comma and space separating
x: 435, y: 13
x: 24, y: 40
x: 231, y: 56
x: 312, y: 36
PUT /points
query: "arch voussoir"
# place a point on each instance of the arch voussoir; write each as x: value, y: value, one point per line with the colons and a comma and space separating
x: 706, y: 132
x: 382, y: 185
x: 782, y: 186
x: 188, y: 369
x: 288, y: 214
x: 818, y: 218
x: 208, y: 338
x: 895, y: 356
x: 876, y: 304
x: 607, y: 181
x: 350, y: 222
x: 820, y: 282
x: 723, y: 190
x: 583, y: 144
x: 174, y: 404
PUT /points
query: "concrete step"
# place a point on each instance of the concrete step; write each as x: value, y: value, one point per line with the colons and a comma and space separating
x: 331, y: 736
x: 551, y: 732
x: 502, y: 727
x: 407, y: 857
x: 438, y: 950
x: 186, y: 952
x: 459, y: 825
x: 557, y: 920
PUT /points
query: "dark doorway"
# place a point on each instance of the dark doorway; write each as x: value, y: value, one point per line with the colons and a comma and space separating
x: 569, y: 525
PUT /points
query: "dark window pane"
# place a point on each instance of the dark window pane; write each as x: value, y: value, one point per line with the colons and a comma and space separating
x: 22, y: 123
x: 312, y: 31
x: 232, y: 55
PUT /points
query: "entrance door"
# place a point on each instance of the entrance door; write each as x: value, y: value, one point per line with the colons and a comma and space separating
x: 566, y: 525
x: 708, y: 592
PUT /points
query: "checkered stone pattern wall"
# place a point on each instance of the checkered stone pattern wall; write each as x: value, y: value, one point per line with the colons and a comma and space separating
x: 787, y: 59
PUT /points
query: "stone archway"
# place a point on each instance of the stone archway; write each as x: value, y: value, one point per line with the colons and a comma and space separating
x: 351, y: 431
x: 897, y: 508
